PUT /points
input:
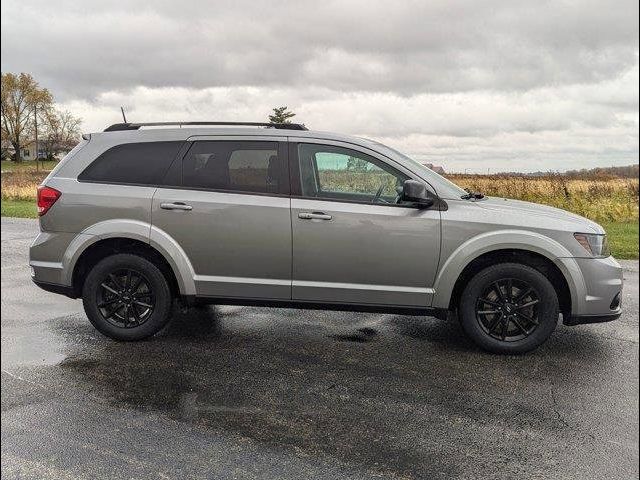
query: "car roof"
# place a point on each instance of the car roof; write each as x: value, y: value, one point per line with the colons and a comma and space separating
x: 176, y: 133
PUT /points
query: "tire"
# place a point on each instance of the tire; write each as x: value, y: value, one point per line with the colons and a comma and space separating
x: 514, y: 295
x: 138, y: 292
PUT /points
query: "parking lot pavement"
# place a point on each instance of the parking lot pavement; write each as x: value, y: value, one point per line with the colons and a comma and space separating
x: 236, y: 392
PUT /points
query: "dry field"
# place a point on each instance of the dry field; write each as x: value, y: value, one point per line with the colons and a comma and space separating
x: 599, y: 199
x: 21, y: 185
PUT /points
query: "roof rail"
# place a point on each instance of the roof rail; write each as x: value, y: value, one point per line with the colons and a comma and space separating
x: 135, y: 126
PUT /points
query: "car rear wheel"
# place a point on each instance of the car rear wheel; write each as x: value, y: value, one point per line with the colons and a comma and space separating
x: 126, y: 297
x: 509, y: 308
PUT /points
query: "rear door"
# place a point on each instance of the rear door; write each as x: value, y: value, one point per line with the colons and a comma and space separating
x: 353, y: 240
x: 227, y: 206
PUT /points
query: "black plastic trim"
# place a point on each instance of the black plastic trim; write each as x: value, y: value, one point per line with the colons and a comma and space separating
x: 55, y: 288
x: 583, y: 319
x: 314, y: 305
x: 439, y: 204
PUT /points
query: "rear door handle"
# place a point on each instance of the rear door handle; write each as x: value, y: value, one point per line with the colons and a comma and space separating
x: 314, y: 216
x: 176, y: 206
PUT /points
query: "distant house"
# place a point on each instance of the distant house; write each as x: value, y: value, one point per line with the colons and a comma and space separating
x: 28, y: 151
x: 436, y: 168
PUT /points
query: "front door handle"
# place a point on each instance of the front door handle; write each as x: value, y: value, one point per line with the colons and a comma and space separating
x: 176, y: 206
x: 314, y: 216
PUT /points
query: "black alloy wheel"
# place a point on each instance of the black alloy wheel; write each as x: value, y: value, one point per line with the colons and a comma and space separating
x: 125, y: 298
x: 507, y: 309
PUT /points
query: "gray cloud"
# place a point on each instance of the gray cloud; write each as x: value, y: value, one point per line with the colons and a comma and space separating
x: 372, y: 46
x: 496, y: 79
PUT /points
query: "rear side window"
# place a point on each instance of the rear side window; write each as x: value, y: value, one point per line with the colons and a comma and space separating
x: 135, y: 163
x: 237, y: 166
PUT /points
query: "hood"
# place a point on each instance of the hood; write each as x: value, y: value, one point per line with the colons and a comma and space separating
x: 536, y: 213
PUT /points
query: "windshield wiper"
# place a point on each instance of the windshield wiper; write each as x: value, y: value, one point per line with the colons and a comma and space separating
x: 470, y: 195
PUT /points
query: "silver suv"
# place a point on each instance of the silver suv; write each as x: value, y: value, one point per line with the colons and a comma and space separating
x: 275, y: 215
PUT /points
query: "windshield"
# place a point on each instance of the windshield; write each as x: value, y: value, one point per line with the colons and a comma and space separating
x: 444, y: 188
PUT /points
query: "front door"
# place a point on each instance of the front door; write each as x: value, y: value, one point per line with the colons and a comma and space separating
x: 353, y: 239
x: 229, y: 211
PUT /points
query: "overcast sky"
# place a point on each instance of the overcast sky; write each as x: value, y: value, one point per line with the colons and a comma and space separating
x: 477, y: 85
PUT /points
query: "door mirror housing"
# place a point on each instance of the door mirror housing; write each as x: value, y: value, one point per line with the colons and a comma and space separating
x: 416, y: 192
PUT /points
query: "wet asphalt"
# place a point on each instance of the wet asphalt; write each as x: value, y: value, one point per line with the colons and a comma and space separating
x: 235, y: 392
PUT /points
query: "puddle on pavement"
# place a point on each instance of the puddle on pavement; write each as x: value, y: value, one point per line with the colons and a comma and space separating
x: 40, y: 349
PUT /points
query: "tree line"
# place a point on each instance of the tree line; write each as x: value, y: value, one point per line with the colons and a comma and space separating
x: 29, y: 114
x: 627, y: 171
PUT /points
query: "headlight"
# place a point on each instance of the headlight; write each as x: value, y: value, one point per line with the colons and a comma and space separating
x: 596, y: 245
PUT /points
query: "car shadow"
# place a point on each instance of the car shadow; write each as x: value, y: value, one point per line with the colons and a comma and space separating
x: 373, y: 390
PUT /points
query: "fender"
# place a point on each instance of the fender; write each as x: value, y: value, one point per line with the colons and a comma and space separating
x: 507, y: 239
x: 177, y: 258
x: 135, y: 230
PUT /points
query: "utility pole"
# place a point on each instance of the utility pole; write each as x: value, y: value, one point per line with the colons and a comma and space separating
x: 35, y: 121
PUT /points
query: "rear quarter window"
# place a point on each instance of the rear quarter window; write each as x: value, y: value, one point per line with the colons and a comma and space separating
x: 132, y: 163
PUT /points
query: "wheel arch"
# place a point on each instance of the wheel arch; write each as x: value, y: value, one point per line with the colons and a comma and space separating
x: 104, y: 248
x: 524, y: 257
x: 128, y: 236
x: 528, y: 248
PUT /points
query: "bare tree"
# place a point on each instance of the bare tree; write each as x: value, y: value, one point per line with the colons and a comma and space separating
x: 62, y: 132
x: 21, y: 96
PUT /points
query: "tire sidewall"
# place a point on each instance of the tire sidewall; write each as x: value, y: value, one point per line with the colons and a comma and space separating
x: 548, y: 310
x: 162, y: 309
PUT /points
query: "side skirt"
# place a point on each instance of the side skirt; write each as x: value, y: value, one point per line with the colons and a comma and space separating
x: 310, y: 305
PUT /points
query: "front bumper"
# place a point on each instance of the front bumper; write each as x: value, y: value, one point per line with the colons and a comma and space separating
x: 583, y: 319
x: 599, y: 298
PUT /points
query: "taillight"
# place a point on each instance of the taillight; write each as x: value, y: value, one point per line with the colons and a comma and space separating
x: 47, y: 196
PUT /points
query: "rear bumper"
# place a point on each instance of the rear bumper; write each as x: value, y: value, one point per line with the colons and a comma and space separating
x: 55, y: 288
x: 51, y: 257
x: 47, y: 256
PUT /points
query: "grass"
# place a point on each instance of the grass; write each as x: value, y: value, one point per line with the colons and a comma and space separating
x: 623, y: 238
x: 27, y: 166
x: 19, y: 208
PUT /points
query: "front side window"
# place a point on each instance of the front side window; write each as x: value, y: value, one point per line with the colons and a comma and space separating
x: 343, y: 174
x: 233, y: 166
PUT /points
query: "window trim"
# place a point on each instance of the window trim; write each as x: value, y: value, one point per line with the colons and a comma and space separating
x: 296, y: 181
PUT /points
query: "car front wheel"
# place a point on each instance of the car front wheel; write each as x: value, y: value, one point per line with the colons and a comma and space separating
x: 126, y: 297
x: 509, y: 308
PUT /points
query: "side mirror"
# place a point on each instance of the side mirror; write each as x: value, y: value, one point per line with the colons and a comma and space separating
x: 416, y: 192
